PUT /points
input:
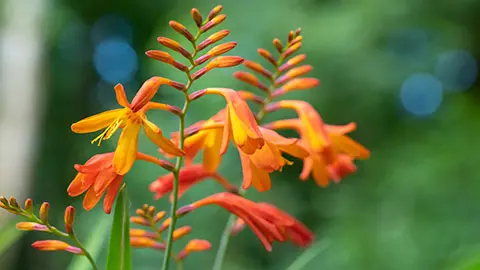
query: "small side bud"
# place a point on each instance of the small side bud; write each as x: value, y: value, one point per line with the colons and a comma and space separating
x: 182, y: 30
x: 4, y: 202
x: 172, y: 44
x: 143, y: 233
x: 195, y: 245
x: 185, y: 210
x: 215, y: 21
x: 69, y: 218
x: 197, y: 94
x: 250, y: 96
x: 28, y: 206
x: 258, y: 68
x: 296, y: 84
x: 145, y: 207
x: 238, y: 226
x: 292, y: 62
x: 144, y: 242
x: 200, y: 73
x: 294, y: 73
x: 44, y: 212
x: 167, y: 165
x: 278, y: 45
x: 151, y: 210
x: 159, y: 216
x: 181, y: 232
x: 215, y: 51
x: 140, y: 212
x: 31, y: 226
x: 292, y: 50
x: 291, y: 36
x: 54, y: 245
x: 225, y: 61
x: 298, y: 31
x: 197, y: 17
x: 212, y: 39
x: 268, y: 56
x: 214, y: 12
x: 140, y: 221
x: 250, y: 79
x: 165, y: 225
x: 295, y: 41
x: 13, y: 203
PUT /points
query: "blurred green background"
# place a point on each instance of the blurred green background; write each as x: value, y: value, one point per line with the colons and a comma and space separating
x: 406, y: 71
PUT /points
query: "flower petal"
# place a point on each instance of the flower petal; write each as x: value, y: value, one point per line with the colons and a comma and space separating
x: 348, y: 146
x: 112, y: 193
x: 247, y: 170
x: 120, y: 95
x: 80, y: 184
x: 261, y: 179
x: 156, y: 136
x: 104, y: 179
x: 91, y: 199
x: 126, y: 151
x: 227, y: 132
x: 97, y: 121
x: 211, y: 153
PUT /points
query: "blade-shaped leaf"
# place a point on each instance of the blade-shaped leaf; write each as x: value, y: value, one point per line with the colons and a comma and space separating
x: 94, y: 244
x: 119, y: 254
x: 9, y: 235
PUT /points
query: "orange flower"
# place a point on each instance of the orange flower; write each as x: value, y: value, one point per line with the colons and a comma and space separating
x: 189, y: 176
x: 257, y: 166
x: 334, y: 162
x: 96, y: 177
x: 266, y: 221
x: 240, y: 124
x: 131, y: 117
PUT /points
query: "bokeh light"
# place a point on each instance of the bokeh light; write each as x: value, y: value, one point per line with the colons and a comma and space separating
x: 115, y: 60
x: 111, y: 26
x: 421, y: 94
x: 457, y: 70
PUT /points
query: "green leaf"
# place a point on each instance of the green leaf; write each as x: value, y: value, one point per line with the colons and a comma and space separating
x: 119, y: 254
x: 9, y: 235
x: 94, y: 245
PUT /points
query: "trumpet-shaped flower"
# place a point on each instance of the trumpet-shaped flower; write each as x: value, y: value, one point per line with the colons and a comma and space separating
x: 130, y: 118
x: 240, y: 124
x: 266, y: 221
x: 257, y: 166
x: 96, y: 177
x: 189, y: 176
x: 334, y: 162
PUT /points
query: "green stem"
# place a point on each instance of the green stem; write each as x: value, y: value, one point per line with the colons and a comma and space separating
x: 179, y: 162
x: 222, y: 249
x: 308, y: 255
x: 87, y: 254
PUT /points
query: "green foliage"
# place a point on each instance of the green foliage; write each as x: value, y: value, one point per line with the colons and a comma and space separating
x: 119, y: 250
x: 9, y: 235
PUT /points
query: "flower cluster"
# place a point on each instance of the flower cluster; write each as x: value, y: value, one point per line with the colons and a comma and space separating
x: 326, y: 151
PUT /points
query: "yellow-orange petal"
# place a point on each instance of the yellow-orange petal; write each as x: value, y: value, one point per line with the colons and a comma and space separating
x: 320, y: 172
x: 120, y: 95
x: 126, y: 151
x: 80, y: 184
x: 97, y: 122
x: 211, y: 152
x: 246, y: 170
x: 156, y: 136
x: 261, y: 179
x: 346, y: 145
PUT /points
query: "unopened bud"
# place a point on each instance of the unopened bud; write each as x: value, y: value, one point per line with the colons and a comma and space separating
x: 182, y: 30
x: 140, y: 212
x: 238, y: 226
x: 214, y: 12
x: 54, y: 245
x: 28, y: 206
x: 142, y: 233
x: 296, y: 84
x: 145, y: 242
x: 139, y: 221
x: 181, y: 232
x: 250, y: 79
x: 151, y: 210
x: 298, y: 31
x: 295, y: 41
x: 258, y: 68
x: 44, y: 212
x: 197, y: 17
x: 69, y: 218
x: 31, y: 226
x: 215, y: 21
x: 268, y: 56
x: 172, y: 44
x: 197, y: 94
x: 160, y: 215
x: 13, y: 203
x: 294, y: 73
x: 291, y: 36
x: 278, y: 45
x: 195, y: 245
x: 225, y: 61
x: 292, y: 62
x: 212, y: 39
x: 292, y: 50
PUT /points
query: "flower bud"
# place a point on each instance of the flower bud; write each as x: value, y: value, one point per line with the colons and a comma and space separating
x: 31, y: 226
x: 291, y: 36
x: 250, y: 79
x: 293, y: 73
x: 3, y: 202
x: 182, y: 30
x: 144, y: 242
x: 142, y: 233
x: 28, y: 206
x: 139, y: 221
x: 214, y: 12
x: 44, y: 212
x: 69, y: 217
x: 197, y: 94
x: 212, y: 39
x: 140, y: 212
x: 165, y: 224
x: 215, y: 21
x: 268, y: 56
x: 298, y: 31
x: 54, y: 245
x: 257, y: 68
x: 278, y: 45
x: 197, y: 17
x: 296, y: 84
x: 172, y: 44
x: 250, y: 96
x: 291, y: 50
x: 160, y: 215
x: 195, y: 245
x: 13, y: 203
x: 292, y: 62
x: 238, y: 226
x: 151, y: 210
x: 295, y: 41
x: 225, y: 61
x: 181, y: 232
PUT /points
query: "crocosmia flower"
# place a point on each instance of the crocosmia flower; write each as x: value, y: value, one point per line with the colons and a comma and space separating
x: 266, y: 221
x: 130, y: 118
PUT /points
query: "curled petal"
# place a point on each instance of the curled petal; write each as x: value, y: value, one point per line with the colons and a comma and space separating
x: 120, y: 94
x: 156, y: 136
x: 97, y: 122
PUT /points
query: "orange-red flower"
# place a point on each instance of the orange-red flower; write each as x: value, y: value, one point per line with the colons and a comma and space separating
x: 131, y: 117
x: 96, y: 177
x: 334, y: 162
x: 257, y: 166
x: 240, y: 124
x: 189, y: 176
x: 266, y: 221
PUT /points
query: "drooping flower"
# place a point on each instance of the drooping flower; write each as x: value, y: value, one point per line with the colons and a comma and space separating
x: 334, y: 162
x: 258, y: 166
x: 130, y: 118
x: 189, y: 176
x: 266, y: 221
x: 96, y: 177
